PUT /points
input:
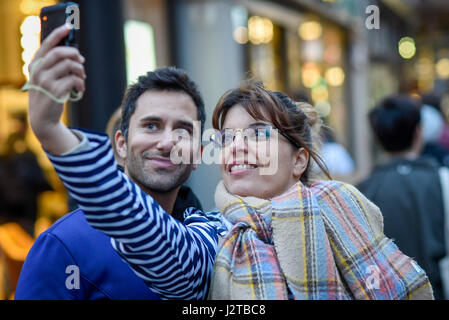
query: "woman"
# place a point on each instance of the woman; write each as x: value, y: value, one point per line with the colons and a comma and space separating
x: 292, y: 237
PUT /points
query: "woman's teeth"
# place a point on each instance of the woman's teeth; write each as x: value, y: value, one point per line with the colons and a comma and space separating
x: 242, y: 167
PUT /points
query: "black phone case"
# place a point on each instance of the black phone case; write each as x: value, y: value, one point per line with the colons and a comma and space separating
x: 54, y: 16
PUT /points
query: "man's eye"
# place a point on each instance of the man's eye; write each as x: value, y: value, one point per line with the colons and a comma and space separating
x: 152, y: 127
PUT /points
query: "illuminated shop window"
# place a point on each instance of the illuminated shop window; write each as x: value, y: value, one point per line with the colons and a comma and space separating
x: 30, y: 30
x: 140, y: 49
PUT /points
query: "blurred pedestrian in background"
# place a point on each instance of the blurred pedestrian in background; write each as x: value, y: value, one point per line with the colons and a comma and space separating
x: 434, y: 129
x: 407, y: 188
x: 338, y: 160
x: 21, y: 178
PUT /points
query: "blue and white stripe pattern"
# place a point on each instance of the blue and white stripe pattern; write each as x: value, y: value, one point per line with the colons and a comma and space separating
x: 174, y: 259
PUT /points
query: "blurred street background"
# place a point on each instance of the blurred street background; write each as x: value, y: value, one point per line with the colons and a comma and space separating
x: 343, y: 56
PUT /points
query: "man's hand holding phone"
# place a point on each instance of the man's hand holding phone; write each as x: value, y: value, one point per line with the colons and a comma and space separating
x: 56, y: 69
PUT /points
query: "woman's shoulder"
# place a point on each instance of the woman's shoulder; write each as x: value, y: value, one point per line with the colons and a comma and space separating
x: 332, y: 186
x: 334, y: 193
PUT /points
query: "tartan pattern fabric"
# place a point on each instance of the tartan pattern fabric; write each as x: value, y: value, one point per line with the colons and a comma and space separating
x: 247, y: 249
x: 325, y: 241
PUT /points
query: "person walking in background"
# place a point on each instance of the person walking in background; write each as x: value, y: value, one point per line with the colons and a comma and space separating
x: 434, y: 129
x: 22, y: 179
x: 337, y: 158
x: 407, y: 188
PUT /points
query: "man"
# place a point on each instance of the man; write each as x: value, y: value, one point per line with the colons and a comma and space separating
x: 407, y: 188
x: 71, y: 260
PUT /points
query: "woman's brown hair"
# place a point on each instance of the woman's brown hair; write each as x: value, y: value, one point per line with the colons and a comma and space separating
x: 298, y: 120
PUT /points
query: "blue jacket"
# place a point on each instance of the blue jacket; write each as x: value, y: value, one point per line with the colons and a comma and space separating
x: 71, y: 247
x: 71, y: 241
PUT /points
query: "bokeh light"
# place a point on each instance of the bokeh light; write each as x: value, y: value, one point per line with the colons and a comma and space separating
x: 335, y: 76
x: 260, y: 30
x: 310, y: 30
x: 240, y: 35
x: 33, y: 7
x: 442, y: 68
x: 323, y: 108
x: 140, y: 49
x: 310, y: 75
x: 407, y: 47
x: 332, y: 54
x: 30, y: 40
x: 320, y: 93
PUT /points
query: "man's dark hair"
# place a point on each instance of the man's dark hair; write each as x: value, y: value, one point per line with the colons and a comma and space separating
x: 433, y: 100
x: 394, y: 122
x: 162, y: 79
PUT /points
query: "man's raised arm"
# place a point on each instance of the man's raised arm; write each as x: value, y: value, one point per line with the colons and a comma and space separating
x: 174, y: 259
x: 56, y: 69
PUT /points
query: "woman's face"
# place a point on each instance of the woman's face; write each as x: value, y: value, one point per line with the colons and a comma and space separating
x: 262, y: 169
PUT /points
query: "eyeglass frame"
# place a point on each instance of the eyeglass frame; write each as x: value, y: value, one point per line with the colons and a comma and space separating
x: 266, y: 127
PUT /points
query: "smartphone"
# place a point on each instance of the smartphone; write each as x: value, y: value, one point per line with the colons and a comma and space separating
x: 55, y: 16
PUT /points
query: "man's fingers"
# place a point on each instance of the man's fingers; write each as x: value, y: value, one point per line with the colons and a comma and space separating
x: 66, y: 67
x: 55, y: 55
x: 60, y: 71
x: 64, y: 85
x: 52, y: 40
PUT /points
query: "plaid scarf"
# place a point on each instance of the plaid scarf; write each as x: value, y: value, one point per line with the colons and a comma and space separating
x: 322, y: 242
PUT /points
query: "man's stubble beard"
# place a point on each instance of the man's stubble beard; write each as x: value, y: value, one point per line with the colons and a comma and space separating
x: 158, y: 180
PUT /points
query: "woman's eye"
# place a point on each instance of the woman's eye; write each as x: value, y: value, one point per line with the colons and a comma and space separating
x: 261, y: 132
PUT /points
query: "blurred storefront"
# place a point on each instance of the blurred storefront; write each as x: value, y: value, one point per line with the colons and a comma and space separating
x: 113, y: 39
x: 329, y: 51
x: 325, y: 50
x: 294, y: 50
x: 20, y: 31
x: 315, y: 51
x: 22, y: 161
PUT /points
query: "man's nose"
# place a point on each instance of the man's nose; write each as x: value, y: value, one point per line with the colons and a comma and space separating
x: 166, y: 141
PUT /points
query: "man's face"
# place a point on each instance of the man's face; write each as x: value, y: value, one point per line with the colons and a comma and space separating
x: 158, y: 117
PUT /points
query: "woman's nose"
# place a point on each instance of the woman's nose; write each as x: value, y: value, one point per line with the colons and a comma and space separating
x: 239, y: 142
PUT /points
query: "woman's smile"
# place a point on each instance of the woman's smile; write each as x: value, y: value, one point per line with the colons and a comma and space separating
x: 241, y: 169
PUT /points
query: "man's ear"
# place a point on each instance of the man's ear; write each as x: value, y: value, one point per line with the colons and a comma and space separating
x: 120, y: 144
x: 418, y: 132
x: 301, y: 160
x: 418, y: 140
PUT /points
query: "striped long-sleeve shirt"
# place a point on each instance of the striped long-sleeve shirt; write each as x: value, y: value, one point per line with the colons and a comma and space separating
x: 174, y: 259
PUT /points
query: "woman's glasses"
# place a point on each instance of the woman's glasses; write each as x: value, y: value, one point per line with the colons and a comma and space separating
x: 225, y: 137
